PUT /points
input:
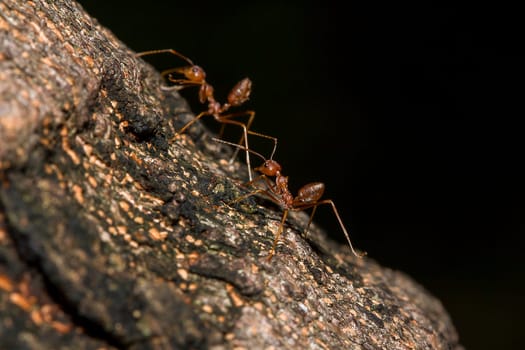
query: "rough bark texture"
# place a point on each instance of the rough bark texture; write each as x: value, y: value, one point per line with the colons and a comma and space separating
x: 113, y: 236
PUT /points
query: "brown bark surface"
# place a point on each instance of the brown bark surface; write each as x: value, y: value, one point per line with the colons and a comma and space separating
x: 115, y: 232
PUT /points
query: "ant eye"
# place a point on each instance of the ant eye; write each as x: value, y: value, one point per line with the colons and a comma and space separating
x: 196, y: 73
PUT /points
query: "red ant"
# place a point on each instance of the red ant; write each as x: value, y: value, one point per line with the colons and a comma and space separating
x: 240, y: 93
x: 308, y: 196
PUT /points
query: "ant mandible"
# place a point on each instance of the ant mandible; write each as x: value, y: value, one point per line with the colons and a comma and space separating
x: 308, y: 196
x: 196, y: 76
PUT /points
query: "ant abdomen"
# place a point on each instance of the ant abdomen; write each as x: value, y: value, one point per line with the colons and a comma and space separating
x: 240, y: 92
x: 309, y: 193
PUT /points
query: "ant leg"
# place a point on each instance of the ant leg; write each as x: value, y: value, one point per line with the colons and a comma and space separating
x: 251, y: 115
x: 168, y: 72
x: 224, y: 120
x: 305, y: 232
x: 248, y: 124
x: 185, y: 82
x: 273, y: 198
x: 241, y: 198
x: 268, y: 193
x: 221, y: 133
x: 329, y: 201
x: 188, y: 124
x: 179, y: 84
x: 250, y: 183
x: 278, y: 235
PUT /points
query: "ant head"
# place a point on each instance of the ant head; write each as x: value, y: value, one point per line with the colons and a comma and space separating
x: 269, y: 168
x: 240, y: 92
x: 193, y: 73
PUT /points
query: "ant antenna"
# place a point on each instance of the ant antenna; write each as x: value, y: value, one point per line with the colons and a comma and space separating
x: 156, y: 52
x: 244, y: 148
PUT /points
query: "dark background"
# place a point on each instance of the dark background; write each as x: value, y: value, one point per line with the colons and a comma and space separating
x: 410, y: 113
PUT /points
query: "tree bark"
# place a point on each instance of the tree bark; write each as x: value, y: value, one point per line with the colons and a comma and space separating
x: 115, y: 232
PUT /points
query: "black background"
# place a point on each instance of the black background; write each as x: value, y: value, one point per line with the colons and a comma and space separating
x: 410, y: 113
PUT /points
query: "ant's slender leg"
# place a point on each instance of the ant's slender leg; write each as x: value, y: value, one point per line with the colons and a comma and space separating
x: 251, y: 115
x: 188, y: 124
x: 179, y: 84
x: 185, y: 82
x: 305, y: 232
x: 224, y: 121
x: 248, y: 125
x: 259, y: 177
x: 278, y: 235
x: 359, y: 255
x: 169, y: 71
x: 283, y: 219
x: 245, y: 133
x: 259, y: 190
x: 241, y: 198
x: 329, y: 201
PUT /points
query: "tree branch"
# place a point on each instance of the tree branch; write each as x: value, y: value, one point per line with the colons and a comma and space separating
x: 113, y: 235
